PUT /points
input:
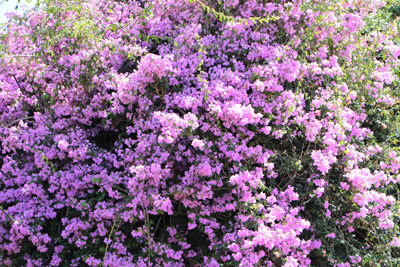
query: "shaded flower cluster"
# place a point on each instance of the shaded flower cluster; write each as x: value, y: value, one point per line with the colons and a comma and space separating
x: 197, y: 133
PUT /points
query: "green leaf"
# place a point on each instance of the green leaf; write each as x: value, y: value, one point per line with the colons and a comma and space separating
x: 96, y: 180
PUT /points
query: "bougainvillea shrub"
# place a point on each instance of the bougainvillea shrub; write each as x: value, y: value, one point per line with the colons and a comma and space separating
x: 190, y: 133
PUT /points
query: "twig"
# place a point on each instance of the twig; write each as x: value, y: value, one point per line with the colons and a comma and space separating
x: 109, y: 238
x: 14, y: 122
x: 49, y: 61
x: 7, y: 215
x: 20, y: 88
x: 157, y: 225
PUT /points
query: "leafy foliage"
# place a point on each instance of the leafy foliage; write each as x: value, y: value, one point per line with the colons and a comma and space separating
x: 200, y: 133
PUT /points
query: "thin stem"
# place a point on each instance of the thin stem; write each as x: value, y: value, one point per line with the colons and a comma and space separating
x: 20, y: 88
x: 5, y: 213
x: 14, y: 122
x: 109, y: 238
x: 49, y: 61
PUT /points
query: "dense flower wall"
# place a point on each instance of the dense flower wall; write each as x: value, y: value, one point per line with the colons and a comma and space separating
x: 189, y: 133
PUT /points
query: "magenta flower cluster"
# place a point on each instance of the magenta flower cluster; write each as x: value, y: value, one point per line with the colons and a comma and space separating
x: 195, y: 133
